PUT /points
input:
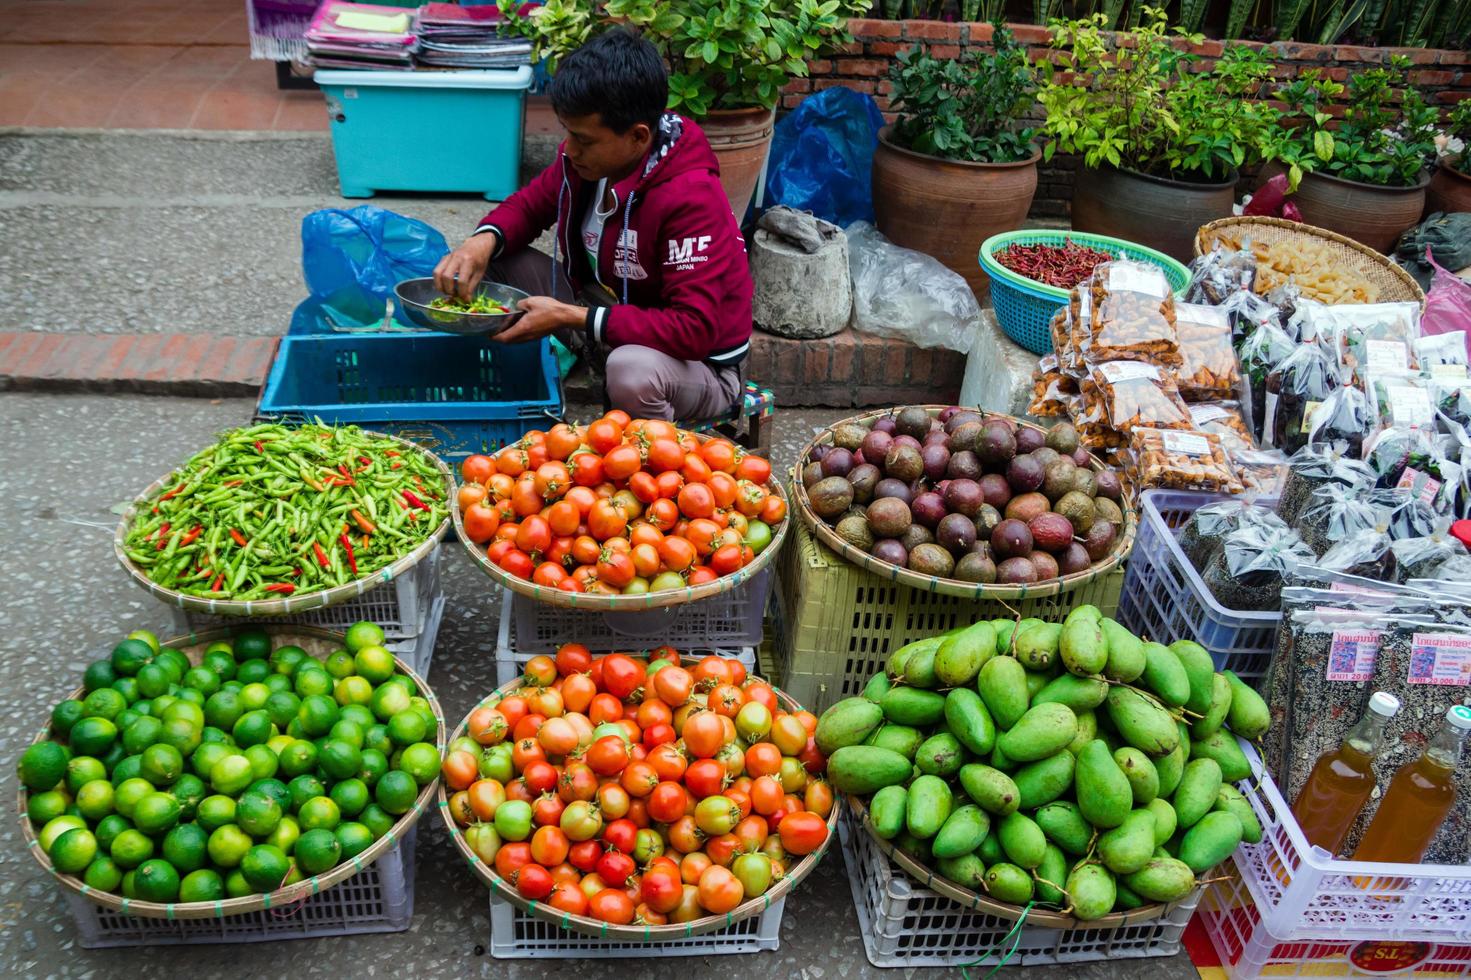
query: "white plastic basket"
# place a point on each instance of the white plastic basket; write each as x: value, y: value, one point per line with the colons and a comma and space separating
x: 516, y: 935
x: 380, y: 898
x: 418, y: 652
x: 729, y: 619
x: 905, y: 925
x: 402, y: 607
x: 511, y: 657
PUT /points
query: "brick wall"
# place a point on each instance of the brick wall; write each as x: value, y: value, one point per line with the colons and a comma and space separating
x: 852, y: 369
x: 1444, y: 76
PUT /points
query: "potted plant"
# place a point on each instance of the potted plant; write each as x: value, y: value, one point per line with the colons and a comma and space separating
x: 1450, y: 188
x: 728, y: 60
x: 1161, y: 143
x: 1363, y: 175
x: 957, y: 166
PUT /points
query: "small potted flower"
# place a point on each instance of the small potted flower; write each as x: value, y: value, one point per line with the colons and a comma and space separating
x: 1450, y: 188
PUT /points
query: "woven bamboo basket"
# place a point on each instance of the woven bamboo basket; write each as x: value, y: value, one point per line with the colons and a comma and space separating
x: 630, y: 933
x: 317, y: 643
x: 949, y: 586
x: 1395, y: 284
x: 1003, y: 910
x: 626, y: 603
x: 292, y: 604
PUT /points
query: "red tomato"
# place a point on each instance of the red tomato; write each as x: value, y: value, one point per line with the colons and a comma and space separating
x: 549, y: 574
x: 621, y: 462
x: 540, y: 777
x: 622, y: 675
x: 573, y: 658
x: 608, y: 755
x: 668, y: 761
x: 612, y: 905
x: 696, y: 500
x: 802, y: 832
x: 533, y: 882
x: 613, y: 801
x: 719, y: 454
x: 512, y: 858
x: 720, y: 891
x: 667, y: 802
x: 476, y: 468
x: 603, y: 435
x: 660, y: 889
x: 606, y: 521
x: 704, y: 777
x: 643, y: 486
x: 620, y: 835
x: 584, y: 855
x: 753, y: 468
x: 517, y: 563
x: 616, y: 867
x: 615, y: 568
x: 568, y: 898
x: 481, y: 522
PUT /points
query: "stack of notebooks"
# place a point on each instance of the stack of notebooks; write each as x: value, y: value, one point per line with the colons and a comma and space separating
x: 452, y: 36
x: 355, y: 35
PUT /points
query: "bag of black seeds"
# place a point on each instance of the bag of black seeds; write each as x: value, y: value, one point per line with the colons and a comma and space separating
x: 1314, y: 466
x: 1456, y: 571
x: 1404, y: 514
x: 1332, y: 516
x: 1246, y: 574
x: 1260, y: 354
x: 1295, y: 388
x: 1423, y: 558
x: 1368, y: 555
x: 1208, y: 526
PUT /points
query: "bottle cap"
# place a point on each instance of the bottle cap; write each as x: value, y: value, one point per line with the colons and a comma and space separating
x: 1460, y: 717
x: 1384, y: 703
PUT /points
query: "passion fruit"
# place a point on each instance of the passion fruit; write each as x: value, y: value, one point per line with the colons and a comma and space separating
x: 1016, y: 571
x: 913, y: 422
x: 1025, y: 474
x: 1099, y: 539
x: 904, y: 462
x: 856, y: 531
x: 931, y: 559
x: 1026, y: 506
x: 889, y: 517
x: 1011, y: 539
x: 864, y: 477
x: 1051, y: 532
x: 1063, y: 438
x: 975, y: 567
x: 830, y: 497
x: 849, y: 435
x: 997, y: 443
x: 1045, y: 565
x: 1029, y: 440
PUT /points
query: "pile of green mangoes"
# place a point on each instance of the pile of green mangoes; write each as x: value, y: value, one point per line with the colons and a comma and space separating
x: 1071, y: 764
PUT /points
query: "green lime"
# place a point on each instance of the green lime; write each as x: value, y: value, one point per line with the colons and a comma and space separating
x: 215, y: 811
x: 278, y: 742
x: 374, y: 662
x: 377, y: 738
x: 153, y: 680
x: 43, y: 807
x: 282, y: 707
x: 184, y: 847
x: 159, y: 705
x: 263, y: 762
x: 316, y: 851
x: 223, y: 709
x: 227, y: 845
x: 389, y: 699
x: 128, y: 768
x: 265, y: 867
x: 298, y: 757
x: 213, y: 734
x: 231, y: 774
x: 128, y: 688
x: 407, y: 727
x: 191, y: 696
x: 252, y: 672
x: 94, y: 800
x: 421, y: 760
x: 127, y: 794
x: 182, y: 734
x: 253, y: 696
x: 313, y: 680
x: 378, y: 820
x: 174, y: 660
x: 104, y: 703
x: 354, y: 838
x: 108, y: 828
x: 295, y: 730
x: 130, y: 656
x: 141, y: 734
x: 257, y: 814
x: 396, y: 792
x: 364, y: 634
x: 184, y: 710
x: 127, y: 889
x: 375, y: 764
x: 358, y: 714
x: 221, y: 663
x: 103, y: 874
x: 207, y: 755
x: 57, y: 826
x: 317, y: 715
x: 339, y: 664
x: 339, y: 760
x: 43, y: 765
x: 351, y: 795
x: 286, y: 659
x: 406, y: 682
x: 156, y: 813
x: 99, y: 674
x: 277, y: 684
x: 73, y: 851
x: 131, y: 848
x: 92, y: 736
x: 252, y: 644
x: 145, y: 636
x: 162, y: 765
x: 112, y: 758
x: 353, y: 691
x: 189, y: 790
x: 203, y: 680
x: 65, y: 715
x: 273, y: 788
x: 253, y: 728
x: 303, y: 788
x: 157, y: 881
x: 202, y: 885
x: 236, y: 886
x: 84, y: 769
x: 220, y: 646
x: 347, y: 731
x: 318, y: 812
x: 285, y: 834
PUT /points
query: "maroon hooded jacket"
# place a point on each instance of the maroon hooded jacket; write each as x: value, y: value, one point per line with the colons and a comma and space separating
x: 673, y: 255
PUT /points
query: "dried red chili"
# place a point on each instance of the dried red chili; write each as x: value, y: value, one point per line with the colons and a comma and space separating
x: 1063, y: 266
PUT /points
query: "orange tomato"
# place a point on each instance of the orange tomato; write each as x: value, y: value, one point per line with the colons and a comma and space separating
x: 720, y: 891
x: 615, y: 568
x: 753, y: 468
x: 726, y: 559
x: 665, y: 455
x: 642, y: 532
x: 549, y: 574
x: 719, y: 454
x: 612, y: 905
x: 696, y: 500
x: 621, y: 462
x: 750, y: 499
x: 639, y: 779
x: 678, y: 553
x: 534, y: 535
x: 669, y: 484
x: 802, y: 832
x: 476, y: 468
x: 511, y: 461
x: 645, y: 560
x: 487, y: 726
x: 578, y: 691
x: 703, y: 734
x: 526, y: 499
x: 481, y: 521
x: 724, y: 488
x: 603, y: 435
x: 585, y: 550
x: 695, y: 469
x: 766, y: 794
x: 473, y: 493
x: 486, y: 796
x: 818, y: 797
x: 626, y: 502
x: 562, y: 441
x: 652, y: 712
x: 673, y: 685
x: 563, y: 517
x: 558, y: 737
x: 668, y: 761
x: 587, y: 469
x: 605, y: 708
x: 553, y: 479
x: 460, y: 770
x: 762, y: 694
x: 567, y: 897
x: 643, y: 486
x: 704, y: 534
x: 726, y: 699
x: 763, y: 759
x: 606, y: 521
x: 663, y: 514
x: 619, y: 418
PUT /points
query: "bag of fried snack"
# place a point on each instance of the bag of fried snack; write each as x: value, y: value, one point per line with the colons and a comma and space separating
x: 1209, y: 369
x: 1133, y: 316
x: 1172, y: 460
x: 1135, y: 394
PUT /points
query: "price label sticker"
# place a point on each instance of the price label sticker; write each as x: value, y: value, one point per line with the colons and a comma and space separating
x: 1203, y: 414
x: 1188, y: 443
x: 1116, y: 371
x: 1135, y: 278
x: 1386, y: 356
x: 1409, y: 405
x: 1441, y: 659
x: 1352, y: 655
x: 1423, y: 485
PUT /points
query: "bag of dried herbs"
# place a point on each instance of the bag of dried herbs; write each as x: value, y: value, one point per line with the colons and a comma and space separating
x: 1202, y: 535
x: 1418, y: 461
x: 1219, y: 273
x: 1249, y: 313
x: 1425, y: 557
x: 1260, y: 354
x: 1318, y: 465
x: 1404, y: 513
x: 1246, y: 574
x: 1402, y: 400
x: 1376, y: 338
x: 1331, y: 516
x: 1345, y: 416
x: 1444, y: 355
x: 1295, y: 388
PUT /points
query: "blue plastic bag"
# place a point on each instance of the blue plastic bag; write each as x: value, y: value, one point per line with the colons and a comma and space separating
x: 351, y: 261
x: 822, y: 156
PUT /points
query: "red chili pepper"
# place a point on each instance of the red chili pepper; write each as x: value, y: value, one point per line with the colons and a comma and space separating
x: 237, y: 537
x: 393, y: 466
x: 321, y: 555
x: 190, y: 536
x: 232, y: 483
x: 172, y: 493
x: 163, y: 530
x: 352, y: 562
x: 163, y: 537
x: 219, y: 581
x: 391, y: 452
x: 259, y: 448
x: 284, y: 588
x: 362, y: 522
x: 414, y: 501
x: 365, y: 460
x: 296, y: 571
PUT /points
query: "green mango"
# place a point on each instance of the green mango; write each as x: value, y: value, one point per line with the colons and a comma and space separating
x: 1127, y: 899
x: 1129, y: 846
x: 848, y: 722
x: 1199, y: 786
x: 864, y: 769
x: 1143, y: 777
x: 878, y: 685
x: 1078, y: 693
x: 1092, y: 890
x: 968, y: 719
x: 899, y: 659
x: 1064, y: 825
x: 1039, y: 733
x: 1002, y: 684
x: 911, y: 706
x: 913, y: 846
x: 1211, y: 840
x: 1009, y: 883
x: 990, y: 850
x: 1087, y: 731
x: 928, y: 806
x: 919, y: 669
x: 887, y: 810
x: 967, y: 871
x: 1199, y: 669
x: 1101, y: 787
x: 1051, y: 876
x: 1036, y: 648
x: 1086, y: 611
x: 962, y: 832
x: 1165, y: 675
x: 1249, y: 716
x: 940, y: 755
x: 1036, y: 680
x: 1165, y: 820
x: 900, y: 738
x: 1043, y: 781
x: 999, y: 760
x: 1022, y: 840
x: 1082, y: 646
x: 1223, y: 748
x: 1142, y: 722
x: 961, y: 656
x: 991, y: 789
x: 1230, y: 800
x: 1162, y: 880
x: 1004, y: 629
x: 1125, y: 653
x: 1185, y: 743
x: 1215, y: 715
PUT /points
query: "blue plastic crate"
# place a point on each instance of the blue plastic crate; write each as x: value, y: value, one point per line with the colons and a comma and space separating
x: 452, y: 394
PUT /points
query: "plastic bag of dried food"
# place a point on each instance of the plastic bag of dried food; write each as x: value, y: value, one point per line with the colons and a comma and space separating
x: 1423, y: 558
x: 1415, y: 461
x: 1368, y: 555
x: 1136, y: 394
x: 1294, y: 389
x: 1174, y: 460
x: 1285, y: 298
x: 1052, y: 390
x: 1315, y: 466
x: 1443, y: 355
x: 1402, y: 399
x: 1263, y: 471
x: 1060, y: 329
x: 1404, y: 514
x: 1249, y: 313
x: 1331, y: 516
x: 1133, y: 316
x: 1373, y: 338
x: 1247, y: 572
x: 1452, y: 403
x: 1456, y: 570
x: 1217, y: 274
x: 1260, y: 354
x: 1226, y: 420
x: 1208, y: 368
x: 1208, y: 526
x: 1345, y: 416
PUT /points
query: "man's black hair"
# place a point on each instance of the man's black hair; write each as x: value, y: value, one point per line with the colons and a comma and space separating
x: 617, y: 75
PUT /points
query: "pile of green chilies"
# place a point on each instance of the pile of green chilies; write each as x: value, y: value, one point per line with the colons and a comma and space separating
x: 270, y: 510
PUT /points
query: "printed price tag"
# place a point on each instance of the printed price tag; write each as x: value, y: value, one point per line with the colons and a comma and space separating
x: 1440, y: 658
x: 1428, y: 486
x: 1309, y: 409
x: 1189, y: 443
x: 1137, y: 279
x: 1354, y: 589
x: 1409, y: 405
x: 1116, y: 371
x: 1201, y: 414
x: 1387, y: 356
x: 1351, y: 657
x: 1449, y: 372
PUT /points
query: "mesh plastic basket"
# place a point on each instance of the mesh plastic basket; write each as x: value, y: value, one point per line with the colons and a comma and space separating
x: 1024, y: 307
x: 517, y: 935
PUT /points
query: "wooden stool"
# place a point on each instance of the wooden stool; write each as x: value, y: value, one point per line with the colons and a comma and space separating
x: 756, y: 408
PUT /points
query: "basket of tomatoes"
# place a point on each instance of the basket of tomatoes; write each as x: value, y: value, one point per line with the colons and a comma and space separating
x: 638, y: 801
x: 620, y: 514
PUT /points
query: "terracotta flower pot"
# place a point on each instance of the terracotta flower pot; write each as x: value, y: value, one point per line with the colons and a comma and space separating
x: 740, y: 139
x: 1367, y: 213
x: 947, y: 208
x: 1157, y: 212
x: 1449, y: 190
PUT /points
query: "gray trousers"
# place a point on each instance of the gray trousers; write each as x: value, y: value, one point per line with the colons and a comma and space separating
x: 645, y: 383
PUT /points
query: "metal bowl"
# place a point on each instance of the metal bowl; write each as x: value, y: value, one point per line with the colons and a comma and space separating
x: 415, y: 295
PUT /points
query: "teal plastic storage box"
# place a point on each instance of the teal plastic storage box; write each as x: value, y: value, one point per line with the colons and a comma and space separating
x: 427, y: 130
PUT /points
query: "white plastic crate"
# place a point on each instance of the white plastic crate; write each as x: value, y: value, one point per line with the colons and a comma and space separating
x: 730, y: 619
x: 402, y: 607
x: 418, y: 652
x: 380, y: 898
x: 511, y: 657
x: 516, y: 935
x: 905, y: 925
x: 1165, y: 599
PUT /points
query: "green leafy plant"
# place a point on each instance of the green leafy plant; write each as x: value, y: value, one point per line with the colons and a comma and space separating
x: 1384, y: 138
x: 722, y: 54
x: 1135, y: 101
x: 968, y: 108
x: 1454, y: 143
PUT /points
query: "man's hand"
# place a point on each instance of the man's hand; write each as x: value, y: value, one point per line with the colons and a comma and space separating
x: 461, y: 270
x: 543, y: 315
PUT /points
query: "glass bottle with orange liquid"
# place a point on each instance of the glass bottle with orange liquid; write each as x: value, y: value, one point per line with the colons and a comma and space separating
x: 1342, y: 781
x: 1420, y: 796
